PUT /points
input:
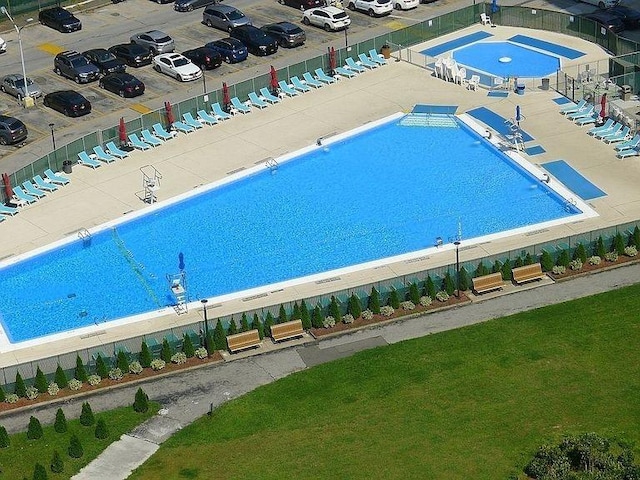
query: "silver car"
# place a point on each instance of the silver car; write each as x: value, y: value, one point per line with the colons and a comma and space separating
x: 224, y: 17
x: 154, y: 40
x: 14, y: 85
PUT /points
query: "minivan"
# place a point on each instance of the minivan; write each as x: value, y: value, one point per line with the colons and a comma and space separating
x: 224, y: 17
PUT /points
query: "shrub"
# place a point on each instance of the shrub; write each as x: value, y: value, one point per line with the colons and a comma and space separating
x: 39, y: 472
x: 179, y: 358
x: 145, y: 355
x: 75, y: 384
x: 3, y: 396
x: 57, y: 465
x: 611, y: 256
x: 295, y: 315
x: 355, y: 308
x: 575, y: 264
x: 387, y: 311
x: 316, y: 317
x: 481, y: 270
x: 329, y: 322
x: 61, y: 377
x: 497, y: 266
x: 442, y: 296
x: 600, y: 251
x: 408, y: 305
x: 256, y: 324
x: 86, y: 416
x: 305, y: 316
x: 244, y: 323
x: 158, y: 364
x: 80, y: 372
x: 636, y: 236
x: 75, y: 447
x: 201, y: 353
x: 374, y: 301
x: 60, y: 425
x: 334, y: 309
x: 116, y: 374
x: 232, y: 329
x: 102, y: 431
x: 595, y: 260
x: 527, y: 259
x: 12, y: 398
x: 464, y: 280
x: 167, y: 351
x: 282, y: 315
x: 187, y: 346
x: 394, y: 299
x: 348, y: 318
x: 94, y: 380
x: 366, y: 314
x: 34, y: 431
x: 41, y: 382
x: 122, y: 361
x: 580, y: 253
x: 448, y: 284
x: 506, y: 272
x: 618, y: 244
x: 101, y: 367
x: 414, y: 292
x: 5, y: 441
x: 563, y: 258
x: 559, y: 270
x: 219, y: 337
x: 20, y: 388
x: 425, y: 301
x: 630, y: 251
x: 546, y: 261
x: 141, y: 402
x: 135, y: 368
x: 32, y: 392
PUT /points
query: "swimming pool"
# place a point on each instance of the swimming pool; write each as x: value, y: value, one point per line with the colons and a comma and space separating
x: 389, y: 190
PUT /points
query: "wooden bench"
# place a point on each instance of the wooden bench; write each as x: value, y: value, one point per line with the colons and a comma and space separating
x: 527, y: 273
x: 487, y: 283
x: 283, y: 331
x: 240, y: 341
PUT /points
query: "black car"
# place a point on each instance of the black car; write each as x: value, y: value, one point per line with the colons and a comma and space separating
x: 607, y: 20
x: 12, y: 130
x: 629, y: 16
x: 59, y: 19
x: 287, y: 34
x: 124, y: 84
x: 205, y: 58
x: 68, y: 102
x: 132, y: 54
x: 72, y: 65
x: 257, y: 41
x: 303, y: 4
x: 105, y: 61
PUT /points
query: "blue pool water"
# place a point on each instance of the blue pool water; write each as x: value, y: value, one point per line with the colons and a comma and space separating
x: 524, y: 63
x: 388, y: 191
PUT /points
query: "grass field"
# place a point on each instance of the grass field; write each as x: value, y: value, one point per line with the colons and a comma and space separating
x: 473, y: 403
x: 18, y: 460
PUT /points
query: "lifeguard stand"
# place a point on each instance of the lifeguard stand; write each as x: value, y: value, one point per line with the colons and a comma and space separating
x: 178, y: 286
x: 150, y: 182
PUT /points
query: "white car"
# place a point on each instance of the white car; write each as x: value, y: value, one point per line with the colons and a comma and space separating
x: 329, y: 18
x: 3, y: 45
x: 405, y: 4
x: 373, y: 8
x: 176, y: 66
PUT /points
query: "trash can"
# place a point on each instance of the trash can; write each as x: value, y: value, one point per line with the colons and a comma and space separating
x: 545, y: 84
x: 626, y: 92
x: 67, y: 166
x: 386, y: 51
x: 520, y: 88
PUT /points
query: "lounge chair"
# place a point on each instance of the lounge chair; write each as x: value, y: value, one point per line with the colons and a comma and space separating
x: 323, y: 77
x: 602, y: 128
x: 31, y: 189
x: 588, y: 120
x: 618, y: 137
x: 574, y: 107
x: 238, y: 106
x: 285, y: 88
x: 351, y: 64
x: 298, y: 85
x: 22, y: 197
x: 219, y: 113
x: 629, y: 152
x: 192, y: 122
x: 268, y: 96
x: 616, y: 128
x: 149, y: 138
x: 256, y: 101
x: 137, y: 143
x: 55, y: 178
x: 102, y: 155
x: 6, y: 210
x: 473, y: 83
x: 115, y: 151
x: 586, y: 112
x: 376, y: 57
x: 85, y: 159
x: 42, y: 184
x: 633, y: 143
x: 309, y: 80
x: 345, y: 72
x: 206, y: 118
x: 366, y: 61
x: 160, y: 132
x: 182, y: 127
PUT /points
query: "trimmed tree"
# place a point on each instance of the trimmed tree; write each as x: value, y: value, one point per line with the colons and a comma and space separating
x: 497, y: 267
x: 295, y: 315
x: 209, y: 344
x: 481, y: 270
x: 546, y: 261
x: 61, y: 377
x: 528, y: 260
x: 57, y: 465
x: 219, y: 337
x: 618, y: 244
x: 563, y: 258
x: 600, y: 251
x: 232, y: 329
x: 34, y: 432
x: 75, y: 447
x: 167, y: 352
x: 80, y: 372
x: 374, y: 301
x: 464, y: 280
x: 3, y: 396
x: 636, y: 237
x: 101, y: 367
x: 305, y: 316
x: 60, y: 425
x: 39, y: 472
x: 41, y: 382
x: 394, y: 299
x: 145, y: 357
x: 86, y: 416
x: 123, y: 362
x: 20, y: 388
x: 187, y: 346
x: 518, y: 262
x: 430, y: 288
x: 102, y: 431
x: 5, y: 441
x: 316, y: 317
x: 355, y: 308
x: 506, y: 270
x: 448, y: 284
x: 414, y: 293
x: 256, y: 324
x: 282, y: 315
x: 141, y: 402
x: 334, y: 309
x: 244, y: 323
x: 580, y: 253
x: 268, y: 321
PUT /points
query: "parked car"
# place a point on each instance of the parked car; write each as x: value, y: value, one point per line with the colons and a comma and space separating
x: 59, y: 19
x: 3, y: 45
x: 12, y: 130
x: 405, y: 4
x: 190, y: 5
x: 155, y: 40
x: 132, y: 54
x: 303, y: 4
x: 373, y: 8
x: 607, y: 20
x: 286, y: 33
x: 106, y: 61
x: 329, y: 18
x: 257, y: 41
x: 68, y: 102
x: 13, y: 84
x: 224, y: 17
x: 72, y: 65
x: 123, y: 84
x: 162, y: 2
x: 176, y: 66
x: 231, y: 49
x: 629, y: 16
x: 205, y: 58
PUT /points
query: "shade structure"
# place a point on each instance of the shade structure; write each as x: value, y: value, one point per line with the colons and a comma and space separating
x: 226, y: 99
x: 7, y: 186
x: 332, y: 60
x: 273, y: 81
x: 168, y: 108
x: 122, y: 132
x: 603, y: 106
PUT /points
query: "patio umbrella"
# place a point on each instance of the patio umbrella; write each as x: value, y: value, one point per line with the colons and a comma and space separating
x: 603, y: 106
x: 7, y: 186
x: 122, y: 132
x: 332, y: 61
x: 273, y: 83
x: 168, y: 108
x: 226, y: 100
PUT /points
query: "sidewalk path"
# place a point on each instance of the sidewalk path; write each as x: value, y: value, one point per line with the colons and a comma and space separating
x: 186, y: 397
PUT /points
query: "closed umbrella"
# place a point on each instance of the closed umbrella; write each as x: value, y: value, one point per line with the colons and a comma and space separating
x: 122, y: 132
x: 7, y: 186
x: 603, y: 106
x: 332, y: 61
x: 168, y: 108
x: 226, y: 99
x: 273, y: 83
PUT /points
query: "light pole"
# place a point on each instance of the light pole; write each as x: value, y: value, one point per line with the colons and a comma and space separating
x: 457, y: 244
x: 206, y: 326
x: 346, y: 38
x: 204, y: 83
x: 27, y: 100
x: 53, y: 137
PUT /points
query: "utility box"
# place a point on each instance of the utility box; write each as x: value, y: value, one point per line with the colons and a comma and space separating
x: 625, y: 92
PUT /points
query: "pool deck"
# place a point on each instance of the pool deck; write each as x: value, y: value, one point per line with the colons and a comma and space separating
x: 97, y: 196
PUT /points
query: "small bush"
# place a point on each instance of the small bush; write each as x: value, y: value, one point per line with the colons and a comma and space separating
x: 618, y: 244
x: 220, y: 337
x: 102, y: 431
x: 505, y: 271
x: 101, y: 367
x: 563, y: 258
x: 41, y: 381
x: 316, y: 318
x: 429, y: 287
x: 135, y: 368
x: 75, y: 447
x: 201, y: 353
x: 348, y: 318
x: 5, y: 441
x: 60, y: 425
x: 394, y: 299
x: 75, y: 384
x: 366, y: 314
x: 122, y: 361
x: 636, y: 236
x: 94, y: 380
x: 39, y: 472
x: 187, y: 346
x: 387, y: 311
x: 20, y: 388
x: 116, y: 374
x: 232, y: 329
x: 12, y: 398
x: 244, y: 322
x: 480, y: 271
x: 86, y: 416
x: 595, y: 260
x: 559, y: 270
x: 3, y: 395
x: 425, y: 301
x: 80, y: 372
x: 600, y: 251
x: 497, y: 266
x: 442, y: 296
x: 408, y: 305
x: 179, y: 358
x: 57, y: 465
x: 580, y: 253
x: 61, y: 377
x: 145, y: 356
x: 355, y: 308
x: 282, y: 315
x: 630, y: 251
x: 158, y: 364
x: 141, y: 402
x: 464, y: 280
x: 575, y: 264
x: 34, y: 432
x: 546, y: 261
x: 611, y: 256
x: 448, y: 284
x: 329, y: 322
x: 256, y: 324
x: 414, y: 293
x: 334, y: 309
x: 32, y: 392
x: 305, y: 316
x: 167, y: 352
x: 374, y: 301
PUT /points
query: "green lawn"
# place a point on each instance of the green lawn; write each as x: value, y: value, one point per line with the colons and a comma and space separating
x: 18, y: 460
x: 473, y: 403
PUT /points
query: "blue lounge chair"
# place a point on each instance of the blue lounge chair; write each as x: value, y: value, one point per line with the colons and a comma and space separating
x: 6, y: 210
x: 588, y: 120
x: 102, y: 155
x: 150, y: 138
x: 137, y: 143
x: 586, y: 112
x: 602, y: 128
x: 629, y: 152
x: 298, y: 85
x: 219, y: 113
x: 268, y: 96
x: 366, y: 61
x: 309, y: 80
x: 85, y: 159
x: 31, y: 189
x: 22, y: 197
x: 256, y: 101
x: 616, y: 128
x: 633, y: 143
x: 376, y: 57
x: 160, y: 132
x: 345, y: 72
x: 55, y: 178
x: 238, y: 106
x: 115, y: 151
x: 42, y: 184
x: 618, y: 137
x: 286, y: 88
x: 192, y: 122
x: 206, y: 118
x: 573, y: 108
x: 183, y: 127
x: 351, y: 64
x: 323, y: 77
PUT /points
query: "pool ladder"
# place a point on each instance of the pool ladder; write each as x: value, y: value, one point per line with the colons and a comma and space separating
x: 570, y: 203
x: 84, y: 235
x: 271, y: 164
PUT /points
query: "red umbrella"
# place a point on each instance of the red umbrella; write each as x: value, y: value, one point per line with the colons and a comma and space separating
x: 226, y: 99
x: 332, y: 60
x: 7, y: 186
x: 274, y: 81
x: 169, y: 111
x: 603, y: 105
x: 122, y: 131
